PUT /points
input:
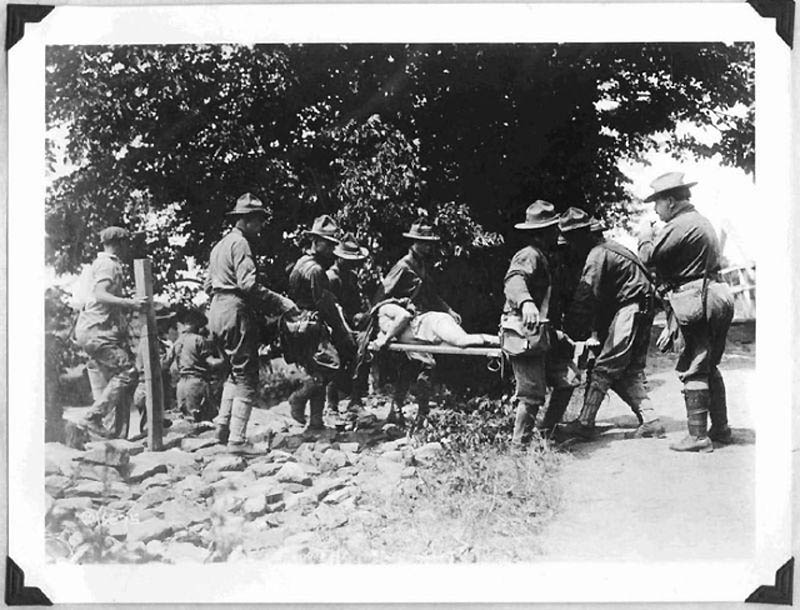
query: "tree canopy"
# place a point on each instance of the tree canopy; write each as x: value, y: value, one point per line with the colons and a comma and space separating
x: 164, y: 139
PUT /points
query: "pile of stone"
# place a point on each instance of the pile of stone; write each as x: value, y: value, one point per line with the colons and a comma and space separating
x: 115, y: 501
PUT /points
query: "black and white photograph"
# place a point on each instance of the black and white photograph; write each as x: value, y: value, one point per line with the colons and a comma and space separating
x: 344, y: 303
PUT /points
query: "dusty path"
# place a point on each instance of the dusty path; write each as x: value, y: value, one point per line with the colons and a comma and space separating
x: 629, y: 499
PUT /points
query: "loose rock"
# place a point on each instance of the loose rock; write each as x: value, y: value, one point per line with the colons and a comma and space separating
x: 193, y: 444
x: 293, y: 473
x: 333, y: 459
x: 226, y: 463
x: 145, y: 465
x: 150, y: 529
x: 108, y: 453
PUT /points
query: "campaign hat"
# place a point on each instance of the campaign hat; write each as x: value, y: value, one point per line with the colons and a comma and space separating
x: 349, y: 249
x: 539, y: 215
x: 325, y: 227
x: 421, y: 230
x: 247, y: 204
x: 574, y: 219
x: 667, y: 182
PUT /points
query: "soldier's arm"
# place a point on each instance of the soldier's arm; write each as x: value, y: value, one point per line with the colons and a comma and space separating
x: 581, y: 318
x: 244, y: 266
x: 515, y: 287
x: 102, y: 295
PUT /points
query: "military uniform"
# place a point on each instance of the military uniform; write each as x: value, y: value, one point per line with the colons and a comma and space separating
x: 614, y: 299
x: 529, y: 278
x: 309, y: 288
x: 687, y: 250
x: 410, y: 279
x: 686, y: 258
x: 236, y: 298
x: 101, y: 331
x: 343, y: 283
x: 191, y: 353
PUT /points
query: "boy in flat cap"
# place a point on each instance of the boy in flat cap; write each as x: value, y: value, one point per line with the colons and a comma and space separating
x: 236, y: 299
x: 101, y: 331
x: 686, y: 258
x: 613, y: 306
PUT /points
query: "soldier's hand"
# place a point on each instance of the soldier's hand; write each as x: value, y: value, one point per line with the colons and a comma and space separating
x: 455, y: 316
x: 530, y: 314
x: 139, y: 303
x: 645, y: 229
x: 592, y: 342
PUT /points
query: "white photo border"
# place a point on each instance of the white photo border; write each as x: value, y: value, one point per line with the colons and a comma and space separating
x: 278, y: 23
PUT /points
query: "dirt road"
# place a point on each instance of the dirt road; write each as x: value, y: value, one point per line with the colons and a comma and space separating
x: 629, y: 499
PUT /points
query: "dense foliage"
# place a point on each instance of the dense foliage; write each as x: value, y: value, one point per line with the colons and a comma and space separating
x: 164, y: 138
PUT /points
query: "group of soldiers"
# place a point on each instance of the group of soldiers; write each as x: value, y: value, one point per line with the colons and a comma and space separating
x: 328, y: 327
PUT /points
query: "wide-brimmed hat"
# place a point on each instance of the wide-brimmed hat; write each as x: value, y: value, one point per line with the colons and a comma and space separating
x: 539, y: 215
x: 574, y: 219
x: 113, y: 234
x: 597, y: 226
x: 247, y: 204
x: 349, y: 249
x: 325, y: 227
x: 421, y: 230
x: 667, y: 182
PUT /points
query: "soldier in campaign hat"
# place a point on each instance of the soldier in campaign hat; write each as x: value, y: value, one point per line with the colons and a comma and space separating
x: 236, y: 298
x: 686, y: 258
x: 529, y: 290
x: 410, y: 278
x: 310, y: 289
x: 344, y: 285
x: 613, y: 307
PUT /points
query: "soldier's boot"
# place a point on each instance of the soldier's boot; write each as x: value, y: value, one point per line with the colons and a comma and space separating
x: 719, y: 432
x: 556, y: 407
x: 316, y: 406
x: 583, y: 427
x: 240, y: 415
x: 422, y: 392
x: 697, y: 421
x: 650, y: 425
x: 223, y: 419
x: 299, y: 398
x: 524, y: 419
x: 332, y: 399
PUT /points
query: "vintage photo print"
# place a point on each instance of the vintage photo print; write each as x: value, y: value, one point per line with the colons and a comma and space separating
x: 484, y: 299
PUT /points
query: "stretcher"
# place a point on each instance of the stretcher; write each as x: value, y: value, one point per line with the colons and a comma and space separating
x: 488, y: 352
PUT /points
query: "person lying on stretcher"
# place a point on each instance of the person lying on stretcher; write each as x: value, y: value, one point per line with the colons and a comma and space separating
x: 395, y: 322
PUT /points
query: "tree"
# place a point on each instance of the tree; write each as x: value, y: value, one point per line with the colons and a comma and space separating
x: 165, y: 138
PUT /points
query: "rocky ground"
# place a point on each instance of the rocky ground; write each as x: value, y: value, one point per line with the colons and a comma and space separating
x: 117, y: 501
x: 372, y: 495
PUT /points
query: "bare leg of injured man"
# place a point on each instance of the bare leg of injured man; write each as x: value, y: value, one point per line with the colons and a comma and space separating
x: 432, y: 328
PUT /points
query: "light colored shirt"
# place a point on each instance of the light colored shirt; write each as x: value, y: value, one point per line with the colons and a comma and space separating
x: 231, y: 265
x: 102, y: 317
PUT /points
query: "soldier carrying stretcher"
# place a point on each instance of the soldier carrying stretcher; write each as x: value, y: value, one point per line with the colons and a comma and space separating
x: 613, y: 305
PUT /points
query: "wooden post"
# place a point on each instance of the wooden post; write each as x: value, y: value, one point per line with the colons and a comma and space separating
x: 154, y: 390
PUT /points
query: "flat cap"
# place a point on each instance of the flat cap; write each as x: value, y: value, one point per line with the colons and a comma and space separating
x: 113, y: 234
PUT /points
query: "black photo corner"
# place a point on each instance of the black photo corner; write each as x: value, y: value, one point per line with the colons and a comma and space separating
x: 17, y: 594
